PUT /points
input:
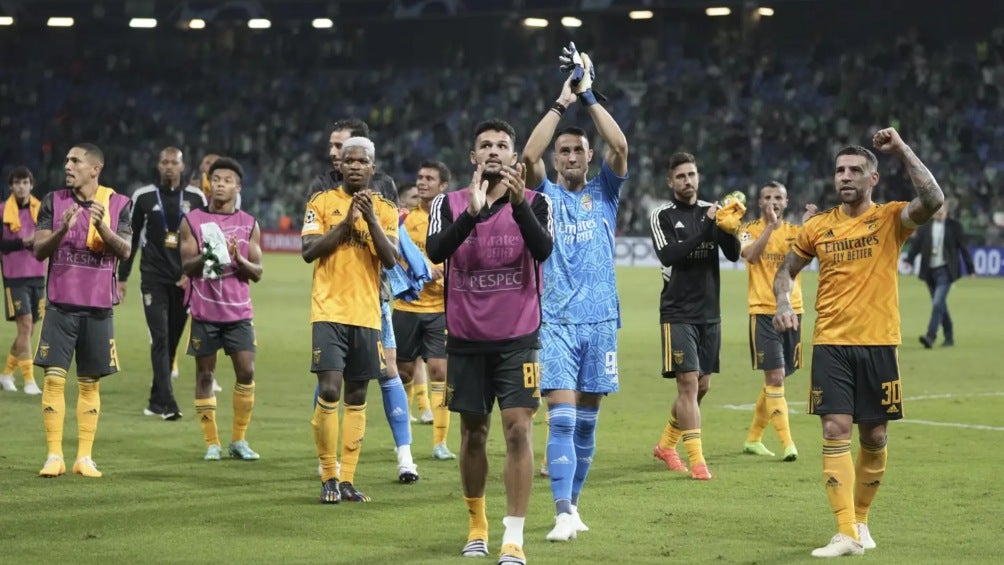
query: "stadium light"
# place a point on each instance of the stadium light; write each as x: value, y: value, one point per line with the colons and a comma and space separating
x: 535, y: 22
x: 323, y: 23
x: 718, y: 11
x: 6, y: 21
x: 259, y: 23
x: 640, y: 14
x: 764, y: 11
x: 144, y: 23
x: 197, y: 24
x: 60, y: 22
x: 569, y: 21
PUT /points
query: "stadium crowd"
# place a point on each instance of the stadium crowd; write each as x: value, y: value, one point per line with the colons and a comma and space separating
x: 751, y: 111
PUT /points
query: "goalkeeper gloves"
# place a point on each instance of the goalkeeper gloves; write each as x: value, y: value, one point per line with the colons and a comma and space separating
x: 583, y: 72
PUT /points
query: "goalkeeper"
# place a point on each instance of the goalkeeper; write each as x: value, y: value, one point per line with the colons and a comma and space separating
x: 688, y: 234
x: 581, y: 311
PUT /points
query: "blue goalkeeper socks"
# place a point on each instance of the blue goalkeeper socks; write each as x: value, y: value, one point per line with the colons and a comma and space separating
x: 585, y: 446
x: 561, y: 455
x: 395, y: 406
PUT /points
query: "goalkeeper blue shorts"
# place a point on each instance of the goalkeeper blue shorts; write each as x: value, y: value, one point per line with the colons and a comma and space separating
x: 579, y: 357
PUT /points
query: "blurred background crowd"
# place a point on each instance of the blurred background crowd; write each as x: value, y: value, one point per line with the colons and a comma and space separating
x: 754, y: 98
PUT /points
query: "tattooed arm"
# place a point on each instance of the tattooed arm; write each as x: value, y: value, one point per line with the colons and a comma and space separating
x: 929, y: 195
x: 785, y: 319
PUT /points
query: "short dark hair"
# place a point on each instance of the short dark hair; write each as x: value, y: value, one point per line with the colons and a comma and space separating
x: 93, y: 150
x: 444, y: 171
x: 356, y: 127
x: 495, y: 124
x: 771, y: 184
x: 862, y: 152
x: 228, y: 164
x: 402, y: 188
x: 18, y: 173
x: 572, y: 130
x: 681, y: 158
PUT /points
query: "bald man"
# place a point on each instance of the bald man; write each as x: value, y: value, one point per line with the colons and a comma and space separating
x: 157, y: 212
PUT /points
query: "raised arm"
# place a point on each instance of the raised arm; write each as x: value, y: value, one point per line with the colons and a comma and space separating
x: 929, y: 195
x: 540, y: 138
x: 785, y: 318
x: 616, y: 151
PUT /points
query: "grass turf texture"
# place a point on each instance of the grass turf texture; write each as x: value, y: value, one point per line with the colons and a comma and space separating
x: 159, y: 502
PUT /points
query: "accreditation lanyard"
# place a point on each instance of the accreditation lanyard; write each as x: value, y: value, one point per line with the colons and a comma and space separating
x: 171, y: 236
x: 163, y: 213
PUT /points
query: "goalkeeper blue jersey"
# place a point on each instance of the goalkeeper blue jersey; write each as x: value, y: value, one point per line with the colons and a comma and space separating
x: 579, y: 282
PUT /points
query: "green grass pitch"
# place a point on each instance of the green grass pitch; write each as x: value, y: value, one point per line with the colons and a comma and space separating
x: 160, y: 503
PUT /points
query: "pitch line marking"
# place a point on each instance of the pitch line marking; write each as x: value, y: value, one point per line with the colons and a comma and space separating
x: 750, y: 407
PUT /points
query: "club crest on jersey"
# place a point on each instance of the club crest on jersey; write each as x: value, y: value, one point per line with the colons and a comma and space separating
x: 316, y: 356
x: 759, y: 358
x: 872, y: 224
x: 678, y: 357
x: 43, y: 350
x: 196, y: 343
x: 586, y: 203
x: 186, y: 206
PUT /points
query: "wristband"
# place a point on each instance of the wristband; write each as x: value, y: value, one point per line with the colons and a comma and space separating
x: 559, y: 108
x: 587, y: 97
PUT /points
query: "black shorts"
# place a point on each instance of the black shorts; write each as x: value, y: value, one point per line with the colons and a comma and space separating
x: 856, y: 379
x: 88, y: 335
x: 232, y: 337
x: 25, y: 299
x: 690, y: 347
x: 355, y: 351
x: 771, y: 350
x: 473, y: 382
x: 420, y: 335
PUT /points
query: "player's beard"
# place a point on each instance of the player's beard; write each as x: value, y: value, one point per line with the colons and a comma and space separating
x: 857, y: 196
x: 492, y: 178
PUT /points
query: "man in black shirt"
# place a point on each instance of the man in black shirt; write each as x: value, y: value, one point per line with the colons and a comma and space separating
x: 687, y: 239
x: 157, y: 213
x: 340, y: 131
